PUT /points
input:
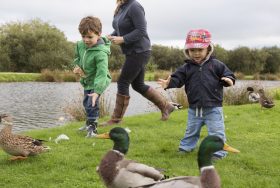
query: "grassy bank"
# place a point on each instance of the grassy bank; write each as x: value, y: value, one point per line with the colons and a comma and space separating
x: 72, y: 163
x: 18, y: 77
x: 54, y: 76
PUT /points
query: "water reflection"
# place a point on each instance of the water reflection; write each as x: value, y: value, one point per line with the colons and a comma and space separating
x: 36, y: 105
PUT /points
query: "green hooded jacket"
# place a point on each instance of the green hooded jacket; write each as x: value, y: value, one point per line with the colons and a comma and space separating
x: 94, y: 62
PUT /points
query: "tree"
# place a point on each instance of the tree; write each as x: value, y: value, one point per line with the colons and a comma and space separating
x: 34, y: 45
x: 245, y: 60
x: 117, y: 58
x: 221, y: 54
x: 167, y: 58
x: 272, y: 63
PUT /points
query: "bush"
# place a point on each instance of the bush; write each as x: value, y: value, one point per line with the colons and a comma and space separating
x: 161, y: 74
x: 239, y: 75
x: 76, y: 109
x: 115, y: 75
x: 178, y: 95
x: 266, y: 77
x: 32, y: 46
x: 58, y: 76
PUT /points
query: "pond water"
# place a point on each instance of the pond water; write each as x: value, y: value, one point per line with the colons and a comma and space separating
x: 37, y: 105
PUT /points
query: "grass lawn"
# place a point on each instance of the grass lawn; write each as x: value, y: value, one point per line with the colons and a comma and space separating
x: 72, y: 163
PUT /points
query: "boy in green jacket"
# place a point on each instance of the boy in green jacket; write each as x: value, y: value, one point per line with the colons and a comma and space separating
x: 91, y: 63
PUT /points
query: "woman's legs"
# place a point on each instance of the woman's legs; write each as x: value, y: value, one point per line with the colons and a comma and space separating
x: 148, y: 92
x: 133, y: 69
x: 133, y: 72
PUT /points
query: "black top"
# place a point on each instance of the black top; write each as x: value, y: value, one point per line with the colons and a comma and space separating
x: 130, y: 23
x: 203, y: 84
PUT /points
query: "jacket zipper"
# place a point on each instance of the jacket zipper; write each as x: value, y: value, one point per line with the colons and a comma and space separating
x: 83, y: 60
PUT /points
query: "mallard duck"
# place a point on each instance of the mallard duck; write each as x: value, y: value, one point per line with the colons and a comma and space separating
x: 19, y: 146
x: 252, y: 96
x: 265, y: 101
x: 118, y: 172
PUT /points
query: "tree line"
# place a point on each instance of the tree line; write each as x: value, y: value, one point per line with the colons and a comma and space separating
x: 34, y: 45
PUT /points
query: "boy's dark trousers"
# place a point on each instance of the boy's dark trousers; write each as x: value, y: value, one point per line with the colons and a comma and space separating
x: 92, y: 113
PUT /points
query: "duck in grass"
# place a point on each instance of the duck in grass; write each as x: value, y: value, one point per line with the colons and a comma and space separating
x: 118, y: 172
x: 265, y: 101
x: 252, y: 96
x: 19, y: 146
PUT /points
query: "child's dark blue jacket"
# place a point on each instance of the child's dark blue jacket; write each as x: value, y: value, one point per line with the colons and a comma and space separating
x: 203, y: 84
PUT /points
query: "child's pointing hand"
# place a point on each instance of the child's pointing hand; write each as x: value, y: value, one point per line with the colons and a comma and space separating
x: 164, y: 83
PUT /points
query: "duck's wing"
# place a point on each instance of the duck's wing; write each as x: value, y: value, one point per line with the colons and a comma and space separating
x: 176, y: 182
x: 28, y: 140
x: 20, y: 145
x: 142, y: 169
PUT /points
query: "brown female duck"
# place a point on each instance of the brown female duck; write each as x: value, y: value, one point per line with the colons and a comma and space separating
x: 117, y: 172
x: 19, y: 146
x: 265, y: 101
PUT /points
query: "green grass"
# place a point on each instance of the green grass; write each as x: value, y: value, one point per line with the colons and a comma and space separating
x: 18, y: 77
x: 72, y: 163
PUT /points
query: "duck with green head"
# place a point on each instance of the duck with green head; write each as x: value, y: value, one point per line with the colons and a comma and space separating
x: 117, y: 172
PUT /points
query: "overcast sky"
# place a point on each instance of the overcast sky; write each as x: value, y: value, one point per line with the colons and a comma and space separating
x: 233, y: 23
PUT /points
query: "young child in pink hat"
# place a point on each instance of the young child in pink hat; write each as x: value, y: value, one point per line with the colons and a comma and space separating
x: 204, y: 78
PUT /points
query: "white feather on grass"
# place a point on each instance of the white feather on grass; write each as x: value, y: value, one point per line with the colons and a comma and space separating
x: 127, y: 130
x: 61, y: 137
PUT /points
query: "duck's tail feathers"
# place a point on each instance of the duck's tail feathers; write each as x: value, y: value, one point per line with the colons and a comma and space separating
x: 38, y: 142
x: 47, y: 148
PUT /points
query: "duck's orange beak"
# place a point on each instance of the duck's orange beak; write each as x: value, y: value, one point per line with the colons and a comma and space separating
x: 104, y: 136
x: 230, y: 149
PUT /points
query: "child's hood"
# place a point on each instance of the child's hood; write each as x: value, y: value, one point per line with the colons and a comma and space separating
x: 103, y: 44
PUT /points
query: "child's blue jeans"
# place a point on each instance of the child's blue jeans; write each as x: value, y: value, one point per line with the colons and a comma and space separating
x: 197, y: 117
x: 92, y: 112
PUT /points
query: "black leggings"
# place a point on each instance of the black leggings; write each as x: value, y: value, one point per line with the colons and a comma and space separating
x: 133, y: 72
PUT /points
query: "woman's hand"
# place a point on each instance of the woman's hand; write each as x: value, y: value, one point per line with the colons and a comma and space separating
x: 164, y: 83
x: 94, y: 97
x: 115, y: 39
x: 109, y: 37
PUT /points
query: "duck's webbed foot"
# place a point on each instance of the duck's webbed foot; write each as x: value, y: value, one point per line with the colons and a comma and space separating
x: 14, y: 158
